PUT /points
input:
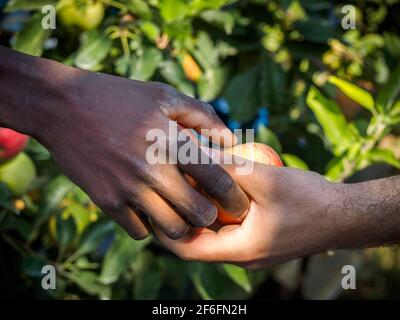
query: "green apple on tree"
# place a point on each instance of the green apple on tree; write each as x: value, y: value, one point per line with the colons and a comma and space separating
x: 81, y: 14
x: 18, y: 173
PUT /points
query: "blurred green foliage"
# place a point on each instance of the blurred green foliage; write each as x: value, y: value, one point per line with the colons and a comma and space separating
x: 330, y: 92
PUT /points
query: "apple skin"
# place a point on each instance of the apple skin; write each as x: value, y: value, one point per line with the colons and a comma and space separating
x: 256, y: 152
x: 85, y: 17
x: 11, y: 143
x: 18, y: 174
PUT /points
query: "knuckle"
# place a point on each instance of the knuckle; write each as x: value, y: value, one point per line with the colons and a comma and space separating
x: 204, y: 214
x: 163, y: 86
x: 222, y: 184
x: 165, y: 91
x: 157, y: 86
x: 207, y: 107
x: 111, y: 204
x: 150, y: 174
x: 176, y: 230
x: 139, y: 235
x: 203, y: 107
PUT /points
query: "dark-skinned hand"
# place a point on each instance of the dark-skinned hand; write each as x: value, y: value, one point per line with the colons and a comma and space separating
x: 95, y: 126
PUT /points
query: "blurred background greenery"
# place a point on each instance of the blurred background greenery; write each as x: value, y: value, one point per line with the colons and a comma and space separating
x: 327, y: 99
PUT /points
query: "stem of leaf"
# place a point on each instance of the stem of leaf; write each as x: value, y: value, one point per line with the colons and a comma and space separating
x: 14, y: 245
x: 377, y: 132
x: 114, y: 4
x: 125, y: 46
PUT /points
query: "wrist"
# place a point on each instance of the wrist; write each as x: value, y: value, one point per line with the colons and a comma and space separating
x: 369, y: 213
x: 33, y: 93
x: 333, y: 226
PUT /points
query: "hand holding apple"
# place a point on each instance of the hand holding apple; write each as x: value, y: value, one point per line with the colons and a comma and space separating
x: 257, y: 152
x: 290, y: 216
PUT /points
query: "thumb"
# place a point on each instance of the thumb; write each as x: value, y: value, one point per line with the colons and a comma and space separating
x: 200, y: 116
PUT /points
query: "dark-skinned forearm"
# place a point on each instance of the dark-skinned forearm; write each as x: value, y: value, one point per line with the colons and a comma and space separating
x: 31, y: 91
x: 369, y: 214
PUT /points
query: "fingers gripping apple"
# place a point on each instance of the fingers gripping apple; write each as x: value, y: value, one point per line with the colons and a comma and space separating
x: 256, y: 152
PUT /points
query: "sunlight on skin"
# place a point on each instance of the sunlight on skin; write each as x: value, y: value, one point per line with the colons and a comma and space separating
x: 227, y: 244
x: 281, y: 224
x: 63, y: 106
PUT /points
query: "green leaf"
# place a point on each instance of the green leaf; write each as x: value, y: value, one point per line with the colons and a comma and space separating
x: 31, y: 38
x: 383, y: 155
x: 37, y: 150
x: 144, y: 66
x: 80, y: 214
x: 323, y: 280
x: 396, y: 109
x: 268, y: 137
x: 93, y: 235
x: 238, y: 276
x: 53, y: 193
x: 331, y: 119
x: 66, y: 231
x: 148, y: 276
x: 27, y: 5
x: 5, y: 197
x: 16, y: 224
x: 140, y: 8
x: 220, y: 18
x: 123, y: 65
x: 173, y: 73
x: 173, y: 10
x: 32, y: 265
x: 335, y: 168
x: 205, y: 54
x: 389, y: 92
x: 272, y: 85
x: 392, y: 43
x: 120, y: 255
x: 84, y: 263
x: 207, y: 279
x: 326, y: 29
x: 211, y: 83
x: 242, y: 95
x: 294, y: 162
x: 94, y: 48
x: 88, y: 281
x: 151, y: 30
x: 199, y: 5
x: 357, y: 94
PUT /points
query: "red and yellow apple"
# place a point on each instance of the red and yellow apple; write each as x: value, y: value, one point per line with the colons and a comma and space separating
x: 11, y: 143
x: 256, y: 152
